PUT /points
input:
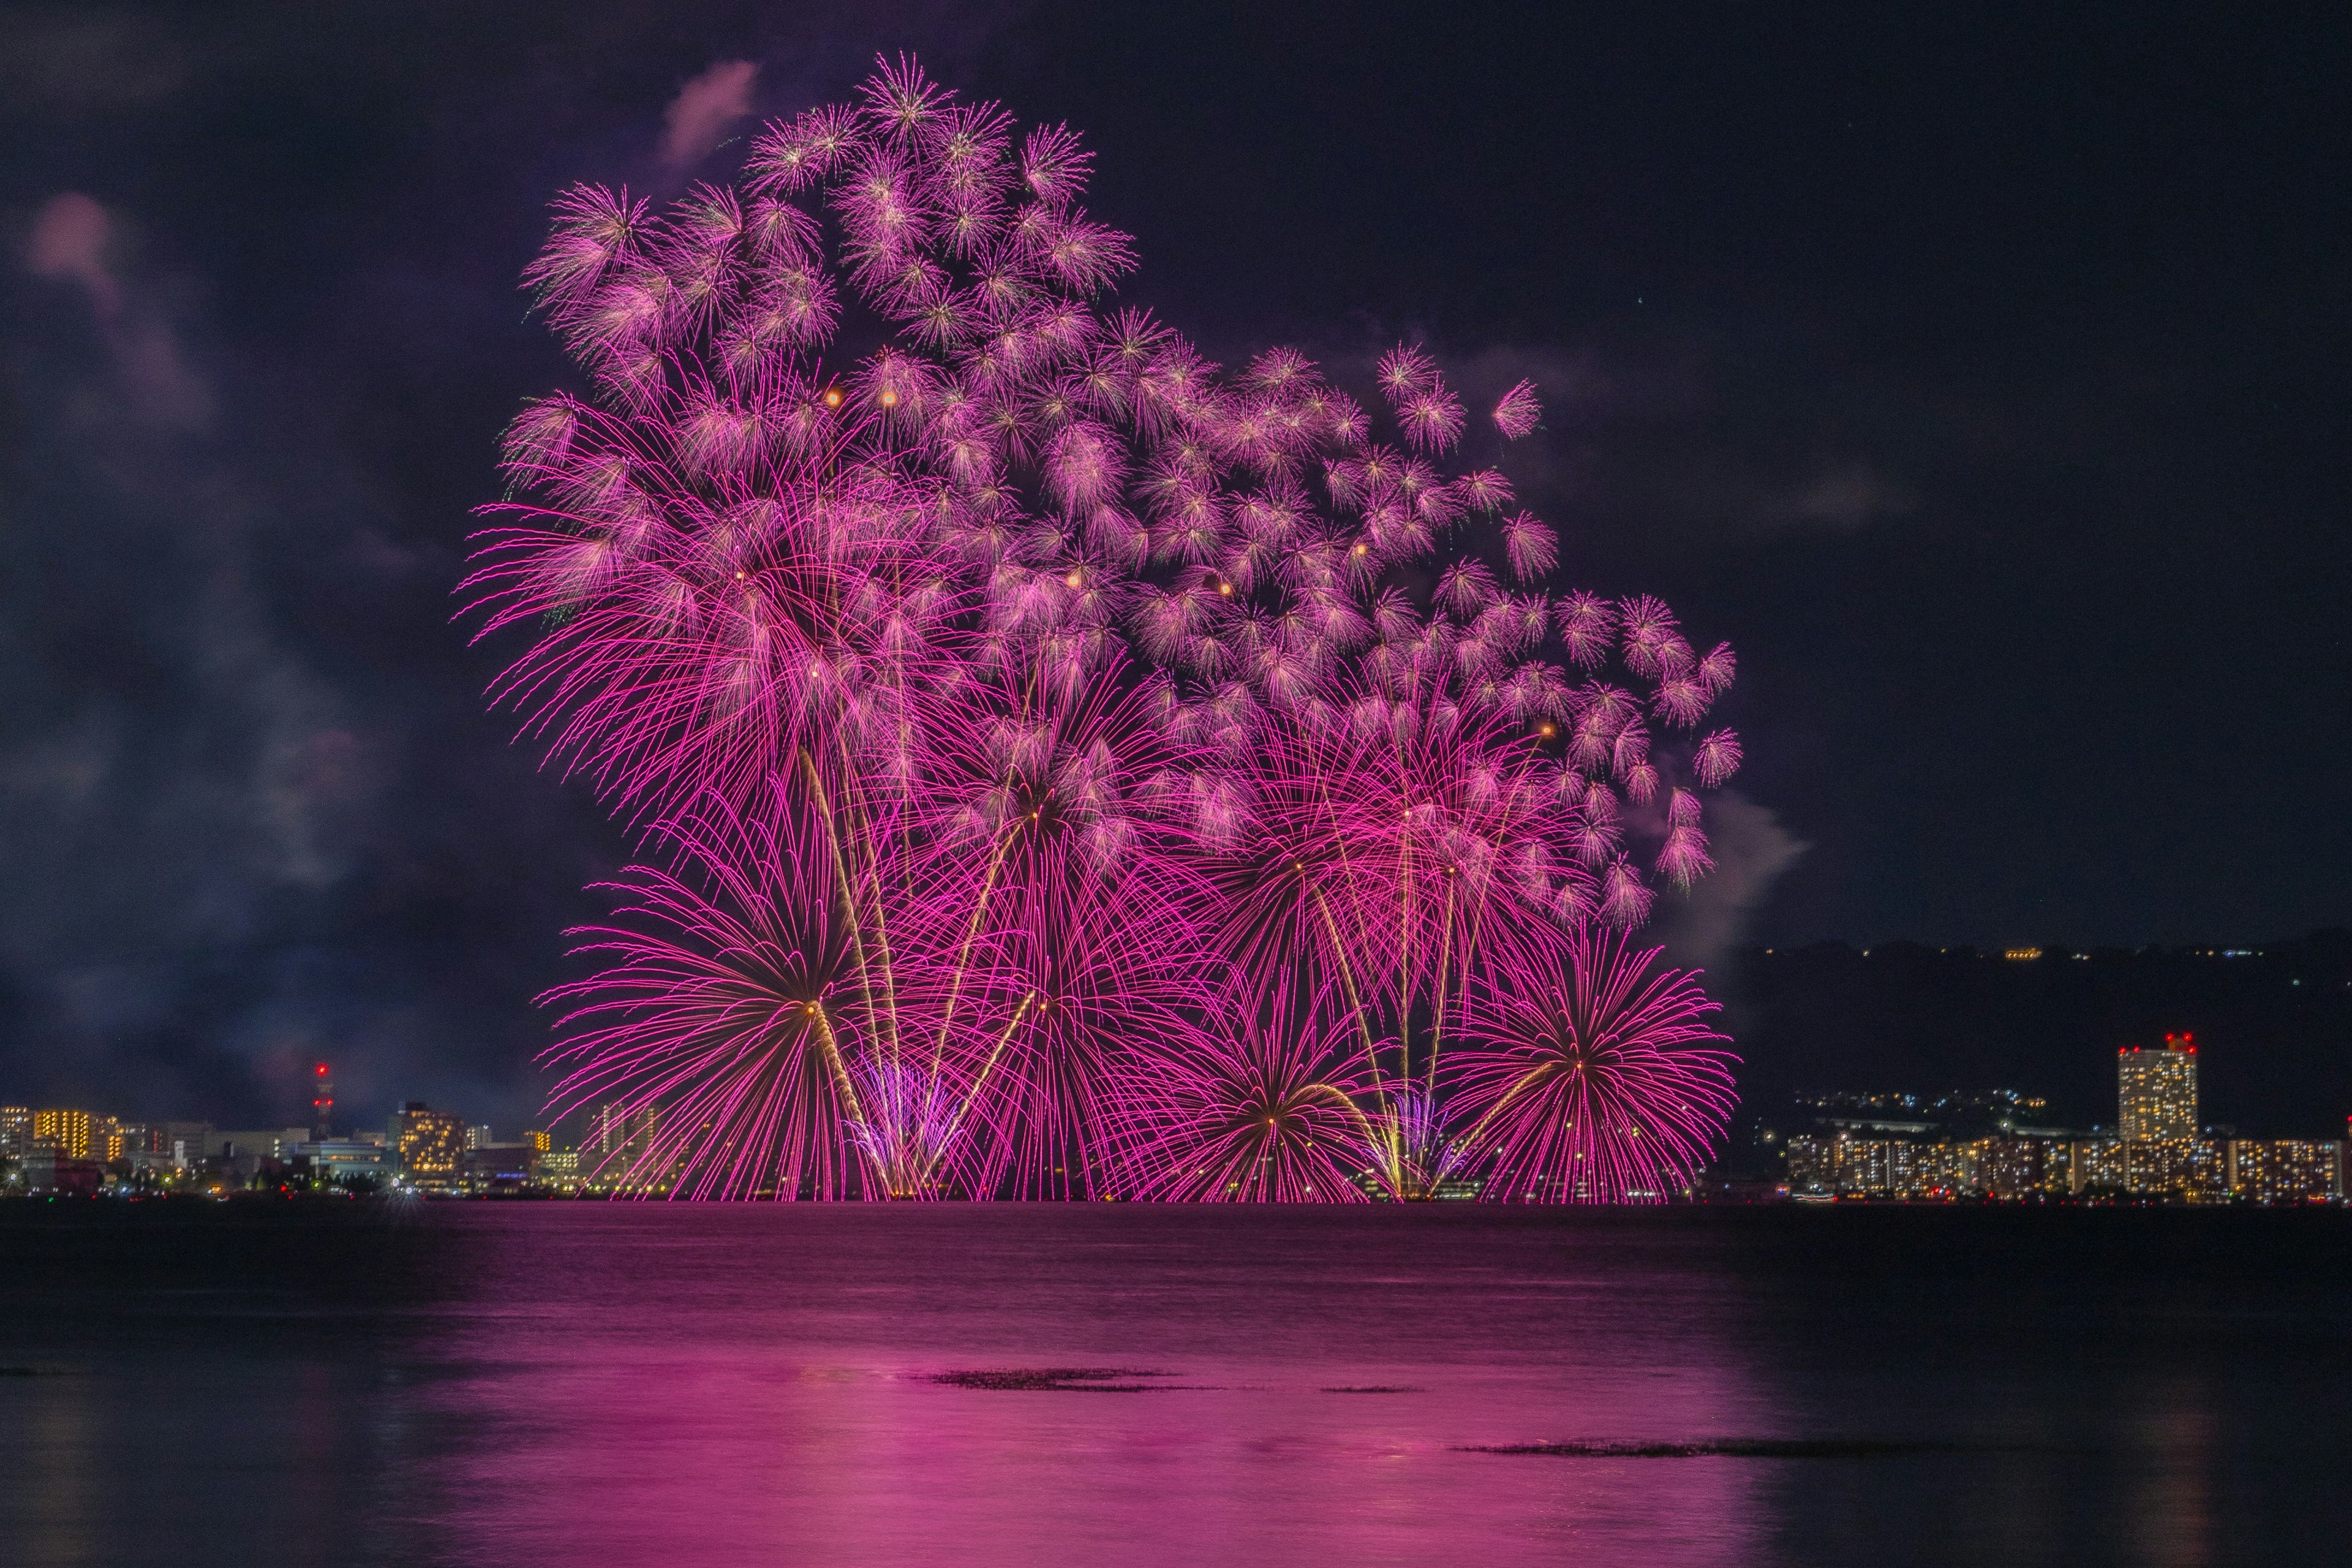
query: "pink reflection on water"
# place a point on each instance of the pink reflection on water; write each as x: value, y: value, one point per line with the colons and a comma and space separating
x: 727, y: 1454
x: 741, y: 1409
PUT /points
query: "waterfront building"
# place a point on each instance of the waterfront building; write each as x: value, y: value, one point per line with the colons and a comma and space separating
x: 254, y: 1142
x: 431, y: 1145
x: 1843, y: 1165
x: 2015, y: 1169
x: 1911, y: 1170
x: 15, y: 1131
x: 500, y: 1166
x: 2156, y: 1092
x: 68, y: 1132
x: 617, y: 1128
x: 2099, y: 1166
x: 2285, y: 1170
x: 2195, y: 1170
x: 247, y: 1153
x: 2156, y: 1115
x: 153, y: 1165
x: 2026, y: 1169
x: 112, y: 1141
x: 45, y: 1168
x: 184, y: 1142
x: 618, y: 1153
x: 347, y: 1160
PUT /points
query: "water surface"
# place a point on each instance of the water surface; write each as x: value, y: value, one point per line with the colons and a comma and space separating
x: 620, y: 1383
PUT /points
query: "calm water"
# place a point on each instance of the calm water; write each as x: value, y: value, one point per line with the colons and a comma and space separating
x: 619, y: 1385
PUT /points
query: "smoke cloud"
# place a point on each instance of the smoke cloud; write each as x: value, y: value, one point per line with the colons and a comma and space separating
x: 73, y: 241
x: 699, y: 118
x: 1750, y: 849
x: 69, y: 242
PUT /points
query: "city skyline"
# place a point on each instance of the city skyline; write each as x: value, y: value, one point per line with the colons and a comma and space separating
x: 2157, y: 1148
x: 1865, y: 1144
x: 2270, y: 1071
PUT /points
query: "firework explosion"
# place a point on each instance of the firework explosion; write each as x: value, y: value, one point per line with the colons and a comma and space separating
x: 1079, y: 769
x: 1600, y: 1085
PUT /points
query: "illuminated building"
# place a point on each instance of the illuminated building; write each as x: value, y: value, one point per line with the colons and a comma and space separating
x: 1860, y: 1152
x: 2200, y: 1171
x: 2156, y: 1114
x: 111, y: 1140
x: 2156, y: 1092
x: 2016, y: 1168
x: 15, y: 1131
x: 1911, y: 1170
x: 249, y: 1154
x: 620, y: 1144
x: 1841, y: 1166
x: 537, y: 1141
x: 66, y: 1131
x: 619, y: 1129
x: 2022, y: 954
x: 344, y: 1159
x: 254, y: 1142
x: 501, y: 1166
x: 431, y: 1144
x: 323, y: 1103
x: 2099, y: 1166
x: 1848, y: 1166
x: 2285, y: 1170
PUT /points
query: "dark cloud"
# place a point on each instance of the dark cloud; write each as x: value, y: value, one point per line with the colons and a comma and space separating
x: 212, y: 812
x: 72, y: 60
x: 256, y: 359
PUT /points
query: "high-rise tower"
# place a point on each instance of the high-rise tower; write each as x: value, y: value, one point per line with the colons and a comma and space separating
x: 322, y: 1102
x: 2156, y: 1092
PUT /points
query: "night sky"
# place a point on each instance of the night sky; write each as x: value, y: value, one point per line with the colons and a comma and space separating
x: 1983, y: 381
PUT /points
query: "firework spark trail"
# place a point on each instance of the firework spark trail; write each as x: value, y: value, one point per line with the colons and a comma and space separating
x: 1260, y: 1116
x: 721, y: 1006
x: 1044, y: 845
x: 1598, y: 1084
x: 1069, y: 667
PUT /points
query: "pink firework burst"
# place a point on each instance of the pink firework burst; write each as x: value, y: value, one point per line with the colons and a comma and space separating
x: 1055, y: 891
x: 1519, y: 412
x: 1086, y: 683
x: 727, y: 1015
x: 1260, y: 1116
x: 1599, y: 1083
